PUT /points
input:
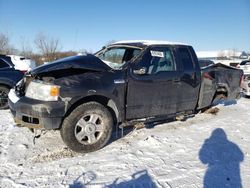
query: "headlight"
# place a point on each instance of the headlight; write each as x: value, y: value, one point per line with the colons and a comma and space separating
x: 42, y: 91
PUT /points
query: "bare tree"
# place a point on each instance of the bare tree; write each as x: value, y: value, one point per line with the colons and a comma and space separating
x: 26, y: 49
x: 221, y: 54
x: 48, y: 46
x: 5, y: 47
x: 85, y: 51
x: 234, y: 53
x: 4, y: 44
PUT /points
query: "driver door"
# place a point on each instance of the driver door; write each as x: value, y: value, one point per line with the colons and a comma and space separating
x: 153, y: 84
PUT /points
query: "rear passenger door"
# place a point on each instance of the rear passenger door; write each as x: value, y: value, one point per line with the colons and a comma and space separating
x: 190, y: 78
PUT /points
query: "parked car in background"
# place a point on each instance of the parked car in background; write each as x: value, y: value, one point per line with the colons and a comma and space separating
x: 204, y: 63
x: 8, y: 78
x: 245, y: 66
x: 226, y: 57
x: 246, y: 85
x: 22, y: 63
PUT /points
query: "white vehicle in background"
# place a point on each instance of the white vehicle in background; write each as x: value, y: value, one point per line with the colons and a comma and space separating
x: 22, y: 63
x: 228, y: 61
x: 226, y: 57
x: 245, y: 66
x: 246, y: 85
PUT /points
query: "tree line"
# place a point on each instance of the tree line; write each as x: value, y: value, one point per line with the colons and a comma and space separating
x: 47, y: 48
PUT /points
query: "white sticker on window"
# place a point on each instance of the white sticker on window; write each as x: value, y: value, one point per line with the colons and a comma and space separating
x: 156, y: 53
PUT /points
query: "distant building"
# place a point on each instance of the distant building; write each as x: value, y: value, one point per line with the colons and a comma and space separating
x: 227, y: 57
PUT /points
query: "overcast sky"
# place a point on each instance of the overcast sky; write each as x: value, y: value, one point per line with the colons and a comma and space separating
x: 90, y: 24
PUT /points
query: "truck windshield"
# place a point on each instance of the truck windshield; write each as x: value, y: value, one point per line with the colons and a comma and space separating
x: 118, y: 56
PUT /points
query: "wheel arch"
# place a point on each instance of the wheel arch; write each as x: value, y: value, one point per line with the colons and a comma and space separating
x: 222, y: 89
x: 4, y: 105
x: 105, y: 101
x: 5, y: 85
x: 222, y: 92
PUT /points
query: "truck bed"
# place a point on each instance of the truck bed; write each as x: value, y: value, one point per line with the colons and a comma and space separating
x: 219, y: 79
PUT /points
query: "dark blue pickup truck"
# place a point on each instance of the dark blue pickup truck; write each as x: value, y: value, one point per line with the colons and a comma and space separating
x: 129, y: 81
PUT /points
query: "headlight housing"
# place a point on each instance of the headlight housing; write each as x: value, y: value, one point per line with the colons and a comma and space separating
x: 42, y: 91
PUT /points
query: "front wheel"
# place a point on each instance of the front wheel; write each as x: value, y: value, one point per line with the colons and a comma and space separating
x: 87, y: 128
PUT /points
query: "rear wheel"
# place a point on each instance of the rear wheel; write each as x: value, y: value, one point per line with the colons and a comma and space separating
x: 219, y: 97
x: 4, y: 97
x: 88, y: 127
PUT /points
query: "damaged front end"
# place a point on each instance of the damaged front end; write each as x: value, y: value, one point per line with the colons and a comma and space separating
x: 34, y: 113
x: 40, y: 99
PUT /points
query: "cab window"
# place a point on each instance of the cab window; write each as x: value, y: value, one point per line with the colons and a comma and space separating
x: 158, y: 59
x: 116, y: 57
x: 186, y: 59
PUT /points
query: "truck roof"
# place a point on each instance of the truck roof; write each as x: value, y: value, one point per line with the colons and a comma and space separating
x: 146, y: 42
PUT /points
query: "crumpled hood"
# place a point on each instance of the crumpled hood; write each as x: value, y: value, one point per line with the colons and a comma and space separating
x: 89, y: 62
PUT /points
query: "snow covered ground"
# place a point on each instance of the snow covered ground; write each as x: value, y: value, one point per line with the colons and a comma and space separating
x: 206, y: 149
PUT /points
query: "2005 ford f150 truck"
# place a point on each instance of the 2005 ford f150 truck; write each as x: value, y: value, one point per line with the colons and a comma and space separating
x: 84, y: 96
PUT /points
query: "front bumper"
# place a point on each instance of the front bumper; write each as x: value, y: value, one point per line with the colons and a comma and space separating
x: 37, y: 114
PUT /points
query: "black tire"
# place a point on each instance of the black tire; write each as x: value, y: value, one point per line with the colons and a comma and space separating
x: 71, y: 124
x: 4, y: 91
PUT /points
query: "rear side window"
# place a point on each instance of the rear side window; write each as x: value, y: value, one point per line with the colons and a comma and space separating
x: 3, y: 64
x: 186, y: 59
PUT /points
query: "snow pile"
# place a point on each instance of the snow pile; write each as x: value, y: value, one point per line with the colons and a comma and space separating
x: 177, y: 154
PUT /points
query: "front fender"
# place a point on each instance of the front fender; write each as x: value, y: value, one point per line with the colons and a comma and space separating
x: 117, y: 108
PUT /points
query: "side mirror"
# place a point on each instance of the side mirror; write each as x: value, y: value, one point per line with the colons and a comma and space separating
x: 140, y: 71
